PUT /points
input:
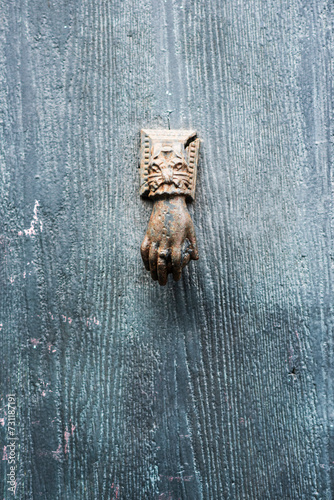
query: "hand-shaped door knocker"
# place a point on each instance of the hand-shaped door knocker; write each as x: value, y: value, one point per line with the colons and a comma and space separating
x: 168, y: 167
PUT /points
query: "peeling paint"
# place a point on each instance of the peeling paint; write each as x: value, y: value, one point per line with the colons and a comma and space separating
x: 32, y: 231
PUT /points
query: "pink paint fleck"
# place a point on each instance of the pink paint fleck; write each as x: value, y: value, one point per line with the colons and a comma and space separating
x: 45, y: 387
x: 58, y: 453
x: 67, y: 436
x: 163, y: 496
x: 43, y: 453
x: 116, y: 488
x: 51, y: 348
x: 20, y: 233
x: 4, y: 454
x: 94, y: 320
x: 2, y: 422
x: 35, y: 342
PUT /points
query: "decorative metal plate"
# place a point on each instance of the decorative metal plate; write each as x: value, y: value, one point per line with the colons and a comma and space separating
x: 168, y: 163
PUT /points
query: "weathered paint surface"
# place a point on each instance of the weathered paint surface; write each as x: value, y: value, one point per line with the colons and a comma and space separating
x: 219, y: 385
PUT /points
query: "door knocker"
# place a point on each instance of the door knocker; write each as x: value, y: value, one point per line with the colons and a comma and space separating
x: 168, y: 168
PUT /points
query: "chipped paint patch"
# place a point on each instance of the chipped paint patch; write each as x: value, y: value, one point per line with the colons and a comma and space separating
x: 33, y: 229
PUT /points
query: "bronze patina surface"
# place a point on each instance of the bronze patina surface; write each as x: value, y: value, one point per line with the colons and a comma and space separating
x: 168, y: 168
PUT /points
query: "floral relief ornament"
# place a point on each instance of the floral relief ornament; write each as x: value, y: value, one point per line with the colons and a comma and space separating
x: 168, y: 172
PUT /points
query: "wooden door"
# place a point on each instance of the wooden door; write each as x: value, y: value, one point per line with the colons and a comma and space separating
x: 219, y: 386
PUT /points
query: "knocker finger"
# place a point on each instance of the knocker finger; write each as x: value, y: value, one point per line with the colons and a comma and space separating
x: 192, y: 238
x: 162, y: 267
x: 145, y: 252
x: 153, y: 261
x: 176, y: 263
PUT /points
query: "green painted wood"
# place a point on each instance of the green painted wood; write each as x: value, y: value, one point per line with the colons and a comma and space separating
x: 216, y: 387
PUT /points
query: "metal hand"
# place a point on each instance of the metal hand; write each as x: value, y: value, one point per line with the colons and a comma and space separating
x: 170, y: 241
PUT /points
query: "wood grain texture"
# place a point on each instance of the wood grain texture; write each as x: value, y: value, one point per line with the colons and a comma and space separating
x: 216, y: 387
